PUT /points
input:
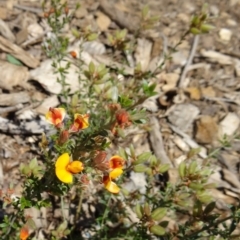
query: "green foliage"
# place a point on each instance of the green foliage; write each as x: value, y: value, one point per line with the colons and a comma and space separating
x: 112, y: 106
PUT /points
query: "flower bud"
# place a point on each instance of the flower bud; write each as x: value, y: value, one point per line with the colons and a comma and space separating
x: 64, y: 136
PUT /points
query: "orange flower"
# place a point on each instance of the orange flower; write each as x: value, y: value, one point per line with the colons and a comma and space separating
x: 116, y: 163
x: 24, y: 233
x: 56, y: 116
x: 122, y: 118
x: 73, y: 54
x: 80, y: 122
x: 65, y: 169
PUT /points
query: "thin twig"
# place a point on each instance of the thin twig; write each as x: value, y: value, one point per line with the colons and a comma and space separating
x: 29, y: 9
x: 157, y: 142
x: 189, y: 61
x: 208, y: 227
x: 79, y: 205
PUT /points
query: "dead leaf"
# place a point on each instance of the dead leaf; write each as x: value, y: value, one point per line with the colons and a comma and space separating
x: 194, y: 93
x: 208, y: 92
x: 45, y: 75
x: 18, y: 53
x: 5, y: 31
x: 143, y: 53
x: 14, y: 98
x: 182, y: 115
x: 123, y: 19
x: 12, y: 75
x: 207, y: 130
x: 103, y: 21
x: 170, y: 80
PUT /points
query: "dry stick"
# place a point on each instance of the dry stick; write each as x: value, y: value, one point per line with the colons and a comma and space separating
x: 10, y: 109
x: 157, y: 142
x: 29, y: 9
x: 79, y: 208
x: 189, y: 61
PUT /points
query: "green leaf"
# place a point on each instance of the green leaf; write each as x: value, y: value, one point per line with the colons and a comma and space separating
x: 13, y: 60
x: 142, y: 158
x: 209, y: 208
x: 139, y: 168
x: 158, y: 213
x: 195, y: 31
x: 139, y: 210
x: 196, y: 186
x: 163, y: 168
x: 91, y: 68
x: 157, y: 230
x: 92, y: 37
x: 192, y: 167
x: 182, y: 169
x: 33, y: 164
x: 145, y: 11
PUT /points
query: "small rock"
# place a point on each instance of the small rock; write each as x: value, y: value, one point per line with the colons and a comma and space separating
x: 207, y: 130
x: 22, y: 36
x: 94, y: 47
x: 237, y: 68
x: 3, y: 13
x: 231, y: 22
x: 194, y: 93
x: 225, y: 34
x: 180, y: 57
x: 214, y: 10
x: 35, y: 30
x: 81, y: 12
x: 208, y: 92
x: 103, y: 21
x: 170, y: 79
x: 183, y: 115
x: 183, y: 17
x: 229, y: 124
x: 181, y: 143
x: 143, y: 52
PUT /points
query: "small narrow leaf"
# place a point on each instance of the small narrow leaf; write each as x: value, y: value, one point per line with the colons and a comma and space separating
x: 13, y: 60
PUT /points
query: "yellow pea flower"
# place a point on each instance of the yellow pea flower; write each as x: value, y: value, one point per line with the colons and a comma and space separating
x: 116, y: 163
x: 80, y: 122
x: 65, y: 168
x: 109, y: 184
x: 56, y: 116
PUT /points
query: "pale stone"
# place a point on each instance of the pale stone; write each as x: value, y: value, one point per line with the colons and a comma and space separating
x: 225, y: 34
x: 229, y: 124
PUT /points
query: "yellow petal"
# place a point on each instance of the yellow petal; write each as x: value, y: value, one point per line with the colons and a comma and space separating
x: 64, y: 176
x: 115, y: 173
x: 75, y: 167
x: 62, y: 161
x: 63, y: 112
x: 112, y: 187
